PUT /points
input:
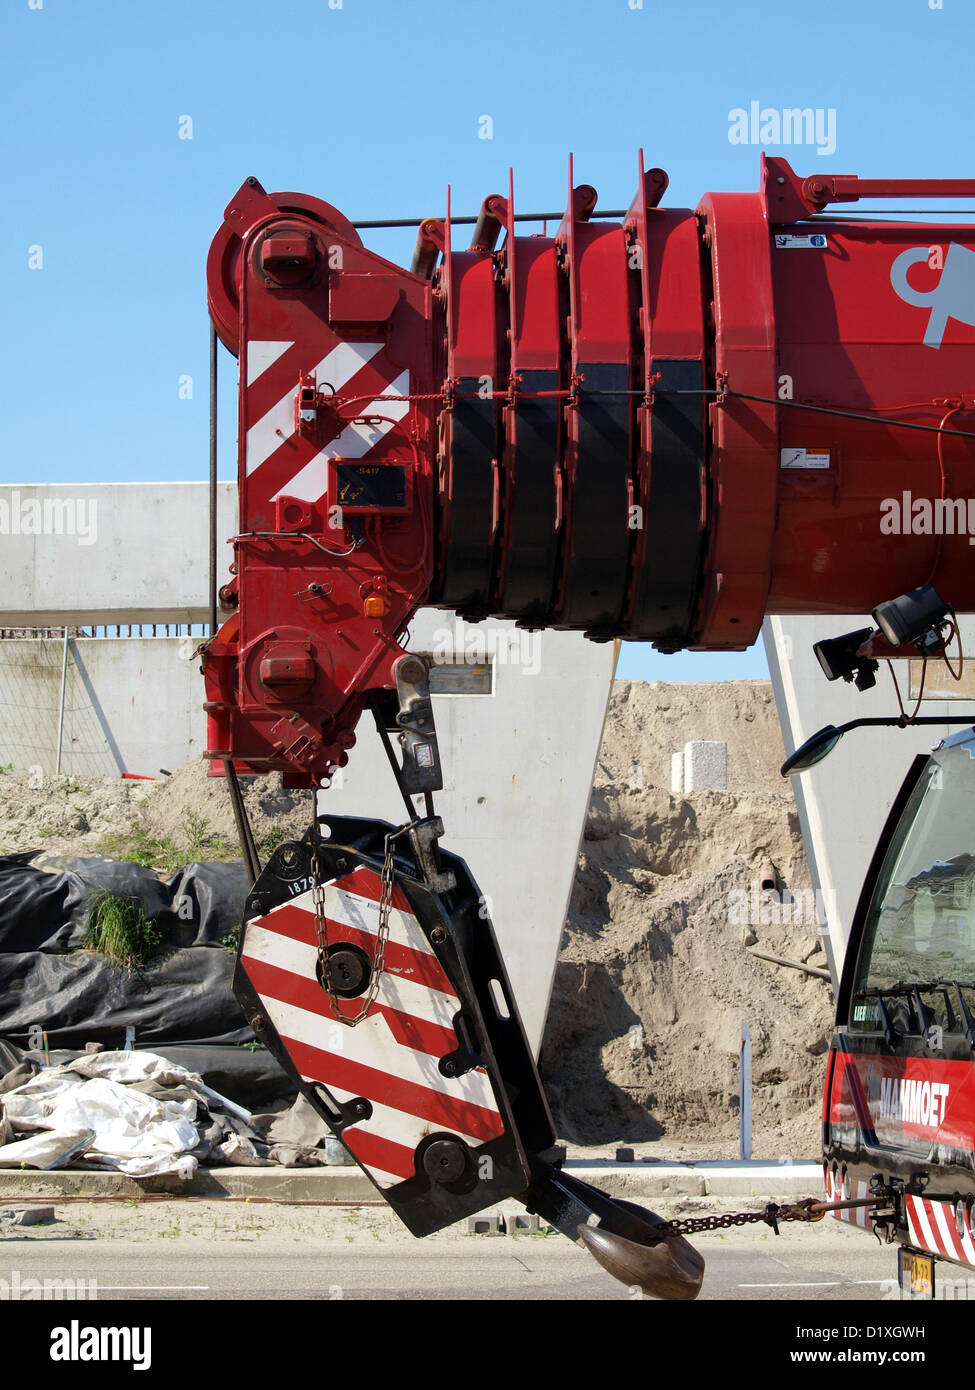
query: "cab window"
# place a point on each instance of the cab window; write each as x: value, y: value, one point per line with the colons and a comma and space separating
x: 919, y: 938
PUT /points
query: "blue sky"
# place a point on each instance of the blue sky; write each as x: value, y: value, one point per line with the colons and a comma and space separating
x: 375, y: 106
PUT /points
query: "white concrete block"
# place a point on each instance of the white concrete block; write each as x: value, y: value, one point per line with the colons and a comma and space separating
x: 705, y: 766
x: 677, y: 773
x: 132, y: 704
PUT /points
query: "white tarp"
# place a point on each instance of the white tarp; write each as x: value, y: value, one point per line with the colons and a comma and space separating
x: 93, y: 1109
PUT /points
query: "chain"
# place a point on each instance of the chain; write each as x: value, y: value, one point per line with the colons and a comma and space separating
x: 382, y: 934
x: 808, y: 1209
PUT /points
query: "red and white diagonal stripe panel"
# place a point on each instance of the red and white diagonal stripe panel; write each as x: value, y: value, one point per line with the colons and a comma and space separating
x: 391, y: 1057
x: 277, y: 460
x: 843, y: 1190
x: 932, y: 1227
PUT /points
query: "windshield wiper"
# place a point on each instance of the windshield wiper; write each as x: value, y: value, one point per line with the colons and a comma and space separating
x: 913, y: 991
x: 966, y: 1017
x: 907, y: 990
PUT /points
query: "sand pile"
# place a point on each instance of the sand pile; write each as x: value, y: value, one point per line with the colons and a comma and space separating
x: 78, y: 816
x: 273, y: 812
x: 654, y: 980
x: 68, y: 814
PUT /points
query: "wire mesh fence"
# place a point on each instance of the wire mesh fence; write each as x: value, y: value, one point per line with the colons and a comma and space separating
x: 112, y: 630
x: 30, y: 701
x: 51, y: 718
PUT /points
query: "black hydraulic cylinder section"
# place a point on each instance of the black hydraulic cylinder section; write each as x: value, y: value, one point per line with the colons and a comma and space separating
x: 488, y: 226
x: 425, y: 253
x: 671, y: 515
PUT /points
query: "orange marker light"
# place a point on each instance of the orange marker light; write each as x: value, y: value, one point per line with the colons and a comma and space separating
x: 375, y: 606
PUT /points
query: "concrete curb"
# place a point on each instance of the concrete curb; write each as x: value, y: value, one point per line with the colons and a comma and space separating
x: 633, y: 1180
x: 714, y: 1179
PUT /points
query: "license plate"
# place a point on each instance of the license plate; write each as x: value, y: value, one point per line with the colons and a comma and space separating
x: 915, y: 1274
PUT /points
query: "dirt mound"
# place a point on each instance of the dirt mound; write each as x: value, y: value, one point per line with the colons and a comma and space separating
x: 648, y: 721
x: 654, y: 979
x: 275, y: 814
x: 162, y: 823
x: 68, y: 814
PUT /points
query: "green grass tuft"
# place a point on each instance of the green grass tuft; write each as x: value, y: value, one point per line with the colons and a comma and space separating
x: 163, y: 853
x: 204, y: 843
x: 139, y: 847
x: 274, y: 837
x: 230, y: 941
x: 119, y: 929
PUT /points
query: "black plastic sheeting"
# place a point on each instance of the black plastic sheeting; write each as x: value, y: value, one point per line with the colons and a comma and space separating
x: 180, y: 1003
x: 47, y: 909
x: 251, y: 1078
x: 182, y: 997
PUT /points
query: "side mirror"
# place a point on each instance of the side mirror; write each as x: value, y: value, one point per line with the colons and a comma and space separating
x: 813, y: 750
x: 816, y: 748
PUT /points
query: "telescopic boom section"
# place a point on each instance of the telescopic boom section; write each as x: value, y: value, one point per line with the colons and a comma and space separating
x: 661, y: 428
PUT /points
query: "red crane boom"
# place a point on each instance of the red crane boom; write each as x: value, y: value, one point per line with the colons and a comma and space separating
x: 660, y: 427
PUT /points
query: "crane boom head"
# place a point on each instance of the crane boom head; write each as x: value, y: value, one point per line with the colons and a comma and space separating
x: 661, y: 427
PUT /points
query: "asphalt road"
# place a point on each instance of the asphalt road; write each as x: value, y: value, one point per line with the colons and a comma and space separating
x: 824, y: 1263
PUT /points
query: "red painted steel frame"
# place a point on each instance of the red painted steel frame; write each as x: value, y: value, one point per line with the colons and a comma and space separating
x: 661, y: 429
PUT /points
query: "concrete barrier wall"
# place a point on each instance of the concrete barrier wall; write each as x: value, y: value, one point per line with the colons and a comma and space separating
x: 518, y: 760
x: 110, y: 552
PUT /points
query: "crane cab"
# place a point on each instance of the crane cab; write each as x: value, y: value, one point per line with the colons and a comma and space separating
x: 899, y: 1102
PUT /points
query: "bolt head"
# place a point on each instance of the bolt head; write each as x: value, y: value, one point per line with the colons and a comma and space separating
x: 445, y: 1161
x: 411, y: 670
